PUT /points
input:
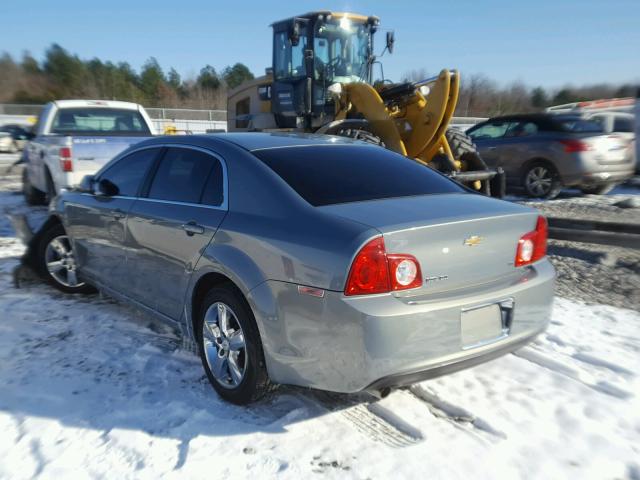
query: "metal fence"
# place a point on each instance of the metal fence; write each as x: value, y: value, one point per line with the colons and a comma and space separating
x: 183, y: 119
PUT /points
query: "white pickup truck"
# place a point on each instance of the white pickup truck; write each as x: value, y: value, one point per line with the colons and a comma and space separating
x: 74, y: 138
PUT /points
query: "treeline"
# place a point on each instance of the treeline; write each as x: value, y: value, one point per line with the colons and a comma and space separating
x: 64, y: 75
x: 482, y: 97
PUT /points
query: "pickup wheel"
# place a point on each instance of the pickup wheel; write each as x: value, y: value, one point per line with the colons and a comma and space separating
x: 51, y: 188
x: 57, y: 263
x: 32, y: 195
x: 230, y: 347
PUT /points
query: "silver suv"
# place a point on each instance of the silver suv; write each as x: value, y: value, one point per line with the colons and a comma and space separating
x: 544, y: 153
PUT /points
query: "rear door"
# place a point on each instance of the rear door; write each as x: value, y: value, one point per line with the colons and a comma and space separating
x: 172, y: 223
x: 97, y: 222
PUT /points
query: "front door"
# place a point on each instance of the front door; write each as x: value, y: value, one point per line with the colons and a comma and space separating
x: 171, y: 225
x: 97, y: 221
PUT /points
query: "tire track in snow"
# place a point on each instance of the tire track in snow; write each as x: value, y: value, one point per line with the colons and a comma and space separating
x: 373, y: 421
x: 602, y: 386
x: 453, y: 413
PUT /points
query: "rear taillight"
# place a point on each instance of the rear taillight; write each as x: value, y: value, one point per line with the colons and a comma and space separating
x: 532, y: 246
x: 375, y: 271
x: 574, y: 146
x: 66, y: 162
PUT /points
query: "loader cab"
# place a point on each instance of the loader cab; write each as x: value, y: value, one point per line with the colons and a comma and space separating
x: 312, y: 52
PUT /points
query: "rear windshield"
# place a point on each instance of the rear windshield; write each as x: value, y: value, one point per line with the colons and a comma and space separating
x: 579, y: 125
x: 325, y: 175
x: 99, y: 121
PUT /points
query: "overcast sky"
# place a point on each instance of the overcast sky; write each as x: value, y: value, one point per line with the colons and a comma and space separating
x: 542, y: 42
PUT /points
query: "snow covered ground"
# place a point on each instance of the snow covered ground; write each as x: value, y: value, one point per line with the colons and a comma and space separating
x: 90, y: 388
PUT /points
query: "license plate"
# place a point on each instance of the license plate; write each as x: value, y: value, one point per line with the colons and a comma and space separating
x: 480, y: 325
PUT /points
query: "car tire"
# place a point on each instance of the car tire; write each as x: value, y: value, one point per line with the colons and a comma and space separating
x: 32, y: 195
x: 56, y: 262
x: 597, y: 189
x: 541, y: 180
x: 51, y: 188
x: 231, y: 350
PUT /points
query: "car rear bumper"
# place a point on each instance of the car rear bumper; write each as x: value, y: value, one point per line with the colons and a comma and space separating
x: 349, y: 344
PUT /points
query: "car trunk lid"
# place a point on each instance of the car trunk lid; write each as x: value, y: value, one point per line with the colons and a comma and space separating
x: 460, y: 240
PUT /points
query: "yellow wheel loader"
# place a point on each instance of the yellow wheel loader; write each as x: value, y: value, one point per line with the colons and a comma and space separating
x: 322, y: 81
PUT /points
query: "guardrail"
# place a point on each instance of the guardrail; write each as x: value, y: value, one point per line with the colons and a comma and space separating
x: 589, y: 231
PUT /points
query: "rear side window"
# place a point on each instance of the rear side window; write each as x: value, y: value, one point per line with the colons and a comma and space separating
x: 326, y: 175
x: 579, y: 125
x: 128, y: 173
x: 623, y: 124
x: 182, y: 175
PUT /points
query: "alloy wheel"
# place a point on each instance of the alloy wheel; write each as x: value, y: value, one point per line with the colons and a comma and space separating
x: 539, y: 181
x: 224, y: 345
x: 61, y: 263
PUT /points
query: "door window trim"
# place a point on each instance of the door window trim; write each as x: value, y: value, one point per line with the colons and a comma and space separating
x: 144, y: 190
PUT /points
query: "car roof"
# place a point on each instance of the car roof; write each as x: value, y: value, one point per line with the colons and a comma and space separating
x: 545, y: 121
x: 96, y: 104
x: 253, y: 141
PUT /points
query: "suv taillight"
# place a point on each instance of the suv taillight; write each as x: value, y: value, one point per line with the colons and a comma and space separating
x: 375, y: 271
x: 532, y: 246
x: 66, y: 162
x: 574, y: 146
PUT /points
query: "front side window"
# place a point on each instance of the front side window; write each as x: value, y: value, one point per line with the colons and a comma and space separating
x: 490, y: 130
x: 183, y: 174
x: 128, y: 173
x: 289, y: 59
x: 99, y: 121
x: 333, y: 174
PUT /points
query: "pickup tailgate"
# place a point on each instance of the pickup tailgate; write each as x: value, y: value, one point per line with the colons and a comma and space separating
x: 90, y: 153
x: 460, y: 240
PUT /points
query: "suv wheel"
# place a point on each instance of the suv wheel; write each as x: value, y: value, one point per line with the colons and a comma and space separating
x: 230, y: 347
x: 57, y: 262
x: 541, y: 180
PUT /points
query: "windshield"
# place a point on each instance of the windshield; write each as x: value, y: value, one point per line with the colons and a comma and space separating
x: 97, y: 121
x: 341, y: 51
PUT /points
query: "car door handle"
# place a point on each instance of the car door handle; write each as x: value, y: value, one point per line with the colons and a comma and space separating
x: 192, y: 228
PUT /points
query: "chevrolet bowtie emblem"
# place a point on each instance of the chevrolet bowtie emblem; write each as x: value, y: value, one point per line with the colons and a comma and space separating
x: 473, y: 241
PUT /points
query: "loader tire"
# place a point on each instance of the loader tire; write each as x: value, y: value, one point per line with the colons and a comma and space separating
x: 464, y: 149
x: 360, y: 134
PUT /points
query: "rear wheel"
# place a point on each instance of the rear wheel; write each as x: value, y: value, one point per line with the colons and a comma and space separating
x: 230, y: 347
x: 541, y: 180
x: 32, y: 195
x: 598, y: 189
x: 57, y: 262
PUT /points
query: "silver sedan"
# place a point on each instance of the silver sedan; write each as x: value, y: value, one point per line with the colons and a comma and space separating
x: 305, y: 260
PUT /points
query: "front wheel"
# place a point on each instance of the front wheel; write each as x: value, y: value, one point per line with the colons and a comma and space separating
x: 597, y: 189
x: 230, y: 347
x: 541, y: 180
x: 57, y: 262
x: 32, y: 195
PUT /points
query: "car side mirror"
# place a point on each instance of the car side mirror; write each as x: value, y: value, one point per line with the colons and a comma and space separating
x: 86, y: 184
x: 107, y: 188
x: 391, y: 39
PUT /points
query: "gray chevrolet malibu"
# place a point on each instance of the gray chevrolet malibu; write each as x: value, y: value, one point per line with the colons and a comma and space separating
x: 305, y: 260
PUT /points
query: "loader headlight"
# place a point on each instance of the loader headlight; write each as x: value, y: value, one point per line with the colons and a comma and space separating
x: 345, y: 23
x: 424, y: 90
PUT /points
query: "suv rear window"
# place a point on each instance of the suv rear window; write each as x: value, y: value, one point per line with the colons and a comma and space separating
x: 99, y: 121
x: 330, y: 174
